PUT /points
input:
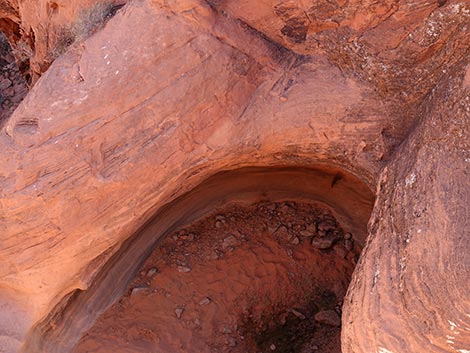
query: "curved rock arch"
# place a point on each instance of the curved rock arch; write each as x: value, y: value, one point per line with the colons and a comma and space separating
x: 196, y: 100
x: 349, y: 199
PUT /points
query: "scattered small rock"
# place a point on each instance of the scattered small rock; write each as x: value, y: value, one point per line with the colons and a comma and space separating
x: 295, y: 241
x: 138, y: 289
x: 187, y: 237
x: 191, y: 237
x: 290, y: 253
x: 230, y: 241
x: 306, y: 233
x: 271, y: 207
x: 348, y: 245
x: 226, y: 330
x: 340, y: 251
x: 4, y: 84
x: 326, y: 225
x: 328, y: 317
x: 272, y: 347
x: 298, y: 314
x: 285, y: 208
x: 231, y: 342
x: 205, y: 301
x: 322, y: 243
x: 179, y: 312
x: 214, y: 255
x: 283, y: 318
x: 347, y: 236
x: 184, y: 269
x: 152, y: 272
x: 283, y: 233
x: 312, y: 228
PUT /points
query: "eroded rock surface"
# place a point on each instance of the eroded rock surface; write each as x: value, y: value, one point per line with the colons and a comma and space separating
x: 410, y: 283
x: 128, y: 120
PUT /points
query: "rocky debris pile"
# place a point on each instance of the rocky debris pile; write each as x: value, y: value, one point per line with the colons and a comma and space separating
x: 290, y: 223
x: 13, y: 87
x: 320, y: 228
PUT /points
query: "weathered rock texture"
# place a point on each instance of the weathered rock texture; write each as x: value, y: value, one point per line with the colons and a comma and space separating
x: 41, y: 30
x: 13, y: 87
x: 169, y: 93
x: 411, y: 286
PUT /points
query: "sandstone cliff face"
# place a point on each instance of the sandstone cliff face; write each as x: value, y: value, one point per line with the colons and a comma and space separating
x: 135, y: 116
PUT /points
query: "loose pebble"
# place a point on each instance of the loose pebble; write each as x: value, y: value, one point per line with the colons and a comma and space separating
x: 322, y: 243
x: 298, y: 314
x: 152, y: 272
x: 137, y: 290
x: 348, y: 244
x: 184, y: 269
x: 230, y: 241
x: 205, y: 301
x: 179, y: 312
x: 328, y: 317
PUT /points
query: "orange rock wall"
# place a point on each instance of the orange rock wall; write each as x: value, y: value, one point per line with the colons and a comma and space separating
x: 137, y: 115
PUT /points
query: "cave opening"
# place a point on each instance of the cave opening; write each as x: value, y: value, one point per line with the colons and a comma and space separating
x: 264, y: 277
x: 251, y: 260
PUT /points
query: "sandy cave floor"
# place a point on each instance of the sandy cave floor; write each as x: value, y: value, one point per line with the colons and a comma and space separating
x: 269, y: 277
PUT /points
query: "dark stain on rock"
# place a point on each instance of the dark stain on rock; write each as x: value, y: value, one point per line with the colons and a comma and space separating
x: 296, y: 22
x: 336, y: 178
x: 286, y: 11
x: 296, y: 30
x: 279, y: 52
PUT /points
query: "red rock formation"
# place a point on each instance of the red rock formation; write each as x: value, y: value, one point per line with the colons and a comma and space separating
x: 410, y: 286
x: 41, y: 30
x: 136, y: 116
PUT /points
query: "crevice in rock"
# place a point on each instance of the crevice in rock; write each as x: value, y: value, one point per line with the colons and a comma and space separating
x: 13, y: 87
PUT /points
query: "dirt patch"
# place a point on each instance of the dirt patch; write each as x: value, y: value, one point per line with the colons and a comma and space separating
x: 263, y: 278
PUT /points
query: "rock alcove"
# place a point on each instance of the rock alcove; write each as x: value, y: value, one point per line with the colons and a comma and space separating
x: 135, y: 107
x: 317, y: 232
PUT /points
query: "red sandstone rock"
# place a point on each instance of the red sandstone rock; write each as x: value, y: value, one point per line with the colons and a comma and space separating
x: 410, y: 285
x: 136, y: 116
x: 41, y: 30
